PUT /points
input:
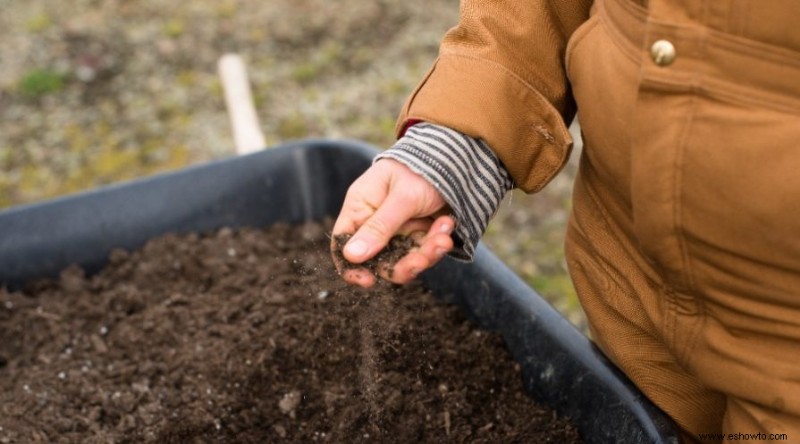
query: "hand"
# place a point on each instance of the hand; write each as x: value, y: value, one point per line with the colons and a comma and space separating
x: 391, y: 199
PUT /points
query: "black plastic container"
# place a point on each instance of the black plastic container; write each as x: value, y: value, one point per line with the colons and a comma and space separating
x: 307, y: 180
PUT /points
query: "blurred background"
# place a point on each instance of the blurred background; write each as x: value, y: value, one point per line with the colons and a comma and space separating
x: 97, y: 91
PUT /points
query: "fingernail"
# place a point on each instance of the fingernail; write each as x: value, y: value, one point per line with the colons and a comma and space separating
x: 440, y: 252
x: 414, y: 272
x: 445, y: 228
x: 356, y: 248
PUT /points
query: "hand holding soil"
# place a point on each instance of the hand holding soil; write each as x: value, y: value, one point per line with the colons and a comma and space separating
x: 387, y: 200
x: 382, y: 263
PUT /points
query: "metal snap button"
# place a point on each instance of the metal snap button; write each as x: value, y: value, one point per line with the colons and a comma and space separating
x: 662, y: 52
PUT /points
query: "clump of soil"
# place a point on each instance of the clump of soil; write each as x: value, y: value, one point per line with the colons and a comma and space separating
x: 398, y: 246
x: 250, y: 336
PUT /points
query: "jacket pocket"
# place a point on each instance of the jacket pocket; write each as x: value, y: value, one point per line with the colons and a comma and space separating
x: 577, y: 37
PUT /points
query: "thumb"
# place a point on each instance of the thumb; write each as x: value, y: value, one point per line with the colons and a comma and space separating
x: 379, y: 228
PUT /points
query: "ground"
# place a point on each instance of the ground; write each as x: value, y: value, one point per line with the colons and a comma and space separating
x: 97, y: 91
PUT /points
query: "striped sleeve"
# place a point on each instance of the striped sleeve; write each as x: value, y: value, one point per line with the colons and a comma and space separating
x: 466, y: 172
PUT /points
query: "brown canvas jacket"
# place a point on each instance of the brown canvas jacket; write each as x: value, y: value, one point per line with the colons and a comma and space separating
x: 501, y: 74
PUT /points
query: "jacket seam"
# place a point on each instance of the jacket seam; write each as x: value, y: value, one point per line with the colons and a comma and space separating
x: 548, y: 107
x: 577, y: 37
x: 679, y: 232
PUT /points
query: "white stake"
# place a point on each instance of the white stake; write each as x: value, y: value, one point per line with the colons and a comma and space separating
x: 247, y: 133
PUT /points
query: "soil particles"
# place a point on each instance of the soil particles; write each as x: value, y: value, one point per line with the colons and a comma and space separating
x: 250, y: 336
x: 397, y: 247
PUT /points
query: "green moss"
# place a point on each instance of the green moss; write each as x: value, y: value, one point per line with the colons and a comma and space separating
x: 557, y: 286
x: 8, y: 180
x: 6, y: 160
x: 260, y: 95
x: 215, y: 88
x: 38, y: 23
x: 40, y: 82
x: 305, y: 73
x: 174, y: 28
x: 226, y: 9
x: 317, y: 62
x: 93, y: 155
x: 186, y: 78
x: 330, y: 53
x: 363, y: 56
x: 397, y: 87
x: 293, y: 127
x: 386, y: 126
x: 257, y: 35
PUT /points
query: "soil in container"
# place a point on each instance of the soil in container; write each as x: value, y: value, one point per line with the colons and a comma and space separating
x: 249, y: 336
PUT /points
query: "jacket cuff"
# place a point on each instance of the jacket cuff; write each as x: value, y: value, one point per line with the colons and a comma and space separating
x: 491, y: 103
x: 469, y: 176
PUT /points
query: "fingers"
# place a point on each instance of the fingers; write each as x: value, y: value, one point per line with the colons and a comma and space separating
x: 359, y: 276
x: 376, y: 231
x: 434, y: 246
x: 363, y: 197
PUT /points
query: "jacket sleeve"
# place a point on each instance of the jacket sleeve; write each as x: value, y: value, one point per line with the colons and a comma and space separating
x: 500, y: 77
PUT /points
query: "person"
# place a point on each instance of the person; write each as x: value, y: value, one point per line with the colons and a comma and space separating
x: 682, y: 241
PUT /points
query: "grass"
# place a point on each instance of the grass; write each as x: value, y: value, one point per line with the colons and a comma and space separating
x: 40, y: 82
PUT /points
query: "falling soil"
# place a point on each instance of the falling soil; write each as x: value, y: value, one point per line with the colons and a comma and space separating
x: 249, y: 336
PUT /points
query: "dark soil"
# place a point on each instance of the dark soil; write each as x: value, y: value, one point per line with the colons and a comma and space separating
x: 250, y: 336
x: 397, y: 247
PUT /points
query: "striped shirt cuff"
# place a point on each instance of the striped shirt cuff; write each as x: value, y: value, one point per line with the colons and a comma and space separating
x: 470, y: 177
